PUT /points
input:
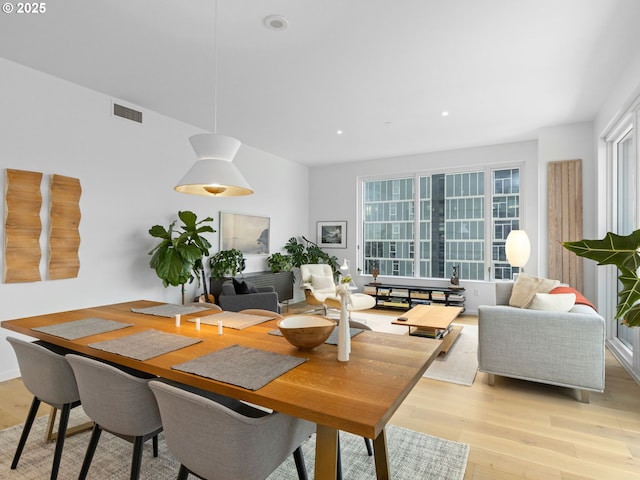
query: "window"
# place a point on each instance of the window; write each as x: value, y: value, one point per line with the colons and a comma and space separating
x: 623, y: 217
x: 443, y: 218
x: 505, y: 217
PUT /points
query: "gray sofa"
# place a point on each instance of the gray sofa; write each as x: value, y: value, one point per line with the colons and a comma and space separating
x: 557, y: 348
x: 266, y: 298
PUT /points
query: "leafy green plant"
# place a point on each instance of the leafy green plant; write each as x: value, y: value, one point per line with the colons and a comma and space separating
x: 226, y: 263
x: 307, y: 252
x: 279, y: 262
x: 621, y: 251
x: 177, y: 259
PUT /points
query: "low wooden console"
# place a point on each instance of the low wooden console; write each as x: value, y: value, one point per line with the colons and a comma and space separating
x: 406, y: 297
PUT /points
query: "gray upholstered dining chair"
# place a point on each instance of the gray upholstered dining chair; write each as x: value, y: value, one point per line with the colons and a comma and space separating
x: 48, y: 376
x: 119, y: 403
x: 216, y: 442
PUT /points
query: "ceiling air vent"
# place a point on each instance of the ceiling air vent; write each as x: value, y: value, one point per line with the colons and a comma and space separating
x: 126, y: 112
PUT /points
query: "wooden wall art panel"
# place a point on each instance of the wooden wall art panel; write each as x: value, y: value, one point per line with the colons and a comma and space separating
x: 22, y: 226
x: 64, y: 221
x: 564, y: 193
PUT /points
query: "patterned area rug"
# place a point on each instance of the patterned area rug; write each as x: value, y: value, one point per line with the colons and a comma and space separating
x: 412, y: 456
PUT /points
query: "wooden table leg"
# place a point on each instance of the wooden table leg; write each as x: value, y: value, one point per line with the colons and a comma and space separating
x: 48, y: 434
x: 51, y: 436
x: 381, y: 457
x: 326, y: 453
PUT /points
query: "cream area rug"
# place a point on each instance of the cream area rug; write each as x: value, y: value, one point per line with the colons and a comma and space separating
x: 459, y: 365
x: 412, y: 456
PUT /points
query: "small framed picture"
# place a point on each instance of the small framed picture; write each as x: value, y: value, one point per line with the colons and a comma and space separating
x: 332, y: 234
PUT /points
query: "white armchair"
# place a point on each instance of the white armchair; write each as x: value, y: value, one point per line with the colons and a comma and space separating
x: 320, y: 289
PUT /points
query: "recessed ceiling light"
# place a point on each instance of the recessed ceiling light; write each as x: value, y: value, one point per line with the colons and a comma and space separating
x: 339, y: 132
x: 276, y: 22
x: 445, y: 113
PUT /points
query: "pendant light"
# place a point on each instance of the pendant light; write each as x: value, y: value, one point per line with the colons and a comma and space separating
x: 214, y: 174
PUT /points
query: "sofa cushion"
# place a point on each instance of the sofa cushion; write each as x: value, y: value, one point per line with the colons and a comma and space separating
x: 243, y: 287
x: 553, y: 302
x: 526, y: 286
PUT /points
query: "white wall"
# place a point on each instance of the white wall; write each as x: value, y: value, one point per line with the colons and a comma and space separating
x: 127, y: 172
x: 333, y: 191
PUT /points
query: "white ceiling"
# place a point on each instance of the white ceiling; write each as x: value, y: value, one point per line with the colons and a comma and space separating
x: 380, y: 70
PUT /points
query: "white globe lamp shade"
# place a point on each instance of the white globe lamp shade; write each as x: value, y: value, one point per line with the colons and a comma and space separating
x: 517, y: 248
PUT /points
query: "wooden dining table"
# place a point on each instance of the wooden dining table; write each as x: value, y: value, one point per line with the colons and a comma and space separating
x: 358, y: 396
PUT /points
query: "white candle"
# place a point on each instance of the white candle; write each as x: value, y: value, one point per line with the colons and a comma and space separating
x: 219, y: 327
x: 177, y: 319
x: 198, y: 323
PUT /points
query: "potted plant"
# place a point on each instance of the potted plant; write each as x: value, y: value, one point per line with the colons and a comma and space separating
x: 177, y: 259
x: 308, y: 252
x: 226, y: 263
x: 621, y: 251
x: 278, y: 262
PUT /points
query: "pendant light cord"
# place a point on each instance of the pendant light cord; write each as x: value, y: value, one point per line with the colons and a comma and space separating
x: 215, y: 66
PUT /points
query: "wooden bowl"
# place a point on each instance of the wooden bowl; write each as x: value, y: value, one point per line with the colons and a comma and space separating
x: 306, y: 331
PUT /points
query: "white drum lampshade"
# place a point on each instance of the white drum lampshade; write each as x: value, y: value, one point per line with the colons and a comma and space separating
x: 214, y: 174
x: 518, y: 248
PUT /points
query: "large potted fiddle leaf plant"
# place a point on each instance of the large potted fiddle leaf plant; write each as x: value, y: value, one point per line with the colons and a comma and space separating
x: 177, y: 259
x: 621, y: 251
x: 306, y: 252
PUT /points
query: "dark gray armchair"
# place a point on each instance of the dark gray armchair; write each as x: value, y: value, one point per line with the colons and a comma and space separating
x: 264, y: 298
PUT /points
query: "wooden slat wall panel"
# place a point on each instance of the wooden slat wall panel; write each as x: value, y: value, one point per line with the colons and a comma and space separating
x: 564, y: 184
x: 64, y: 235
x: 22, y: 226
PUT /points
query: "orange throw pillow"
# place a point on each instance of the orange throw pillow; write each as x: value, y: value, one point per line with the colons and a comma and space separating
x: 579, y: 297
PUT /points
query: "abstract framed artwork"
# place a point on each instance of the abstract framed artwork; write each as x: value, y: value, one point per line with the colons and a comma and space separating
x: 247, y: 233
x: 332, y: 234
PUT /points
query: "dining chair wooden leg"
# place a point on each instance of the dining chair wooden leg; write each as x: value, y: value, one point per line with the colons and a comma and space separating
x: 300, y: 466
x: 91, y: 449
x: 51, y: 436
x: 136, y: 461
x: 367, y: 443
x: 183, y: 473
x: 339, y: 461
x: 62, y: 429
x: 154, y: 441
x: 35, y: 404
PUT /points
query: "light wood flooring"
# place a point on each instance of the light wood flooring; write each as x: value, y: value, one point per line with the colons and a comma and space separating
x: 516, y: 429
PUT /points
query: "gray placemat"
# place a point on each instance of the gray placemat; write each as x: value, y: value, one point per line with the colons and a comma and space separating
x: 145, y: 345
x: 245, y: 367
x: 235, y: 320
x: 82, y: 328
x: 169, y: 310
x: 333, y: 338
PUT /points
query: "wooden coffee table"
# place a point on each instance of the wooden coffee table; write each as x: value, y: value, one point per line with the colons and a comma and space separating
x: 428, y: 320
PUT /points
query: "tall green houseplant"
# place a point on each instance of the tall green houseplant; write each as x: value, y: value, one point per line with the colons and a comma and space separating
x: 308, y: 252
x: 177, y: 259
x: 621, y: 251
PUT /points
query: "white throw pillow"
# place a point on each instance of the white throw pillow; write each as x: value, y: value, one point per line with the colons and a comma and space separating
x: 553, y: 302
x: 322, y: 283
